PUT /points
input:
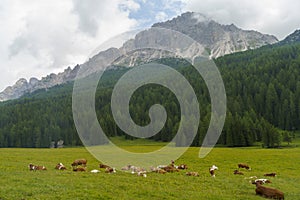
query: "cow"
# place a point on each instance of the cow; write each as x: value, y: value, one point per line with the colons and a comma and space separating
x: 60, y: 166
x: 242, y: 165
x: 268, y: 192
x: 36, y: 167
x: 238, y: 172
x: 170, y: 169
x: 192, y: 174
x: 79, y: 169
x: 126, y: 168
x: 212, y: 170
x: 182, y: 166
x: 270, y: 174
x: 158, y: 170
x: 77, y: 162
x: 110, y: 170
x: 103, y: 166
x: 142, y: 173
x: 261, y: 181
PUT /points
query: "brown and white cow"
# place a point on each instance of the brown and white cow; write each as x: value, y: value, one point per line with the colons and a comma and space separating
x: 170, y: 169
x: 79, y: 169
x: 192, y: 174
x: 60, y: 166
x: 243, y: 165
x: 270, y: 174
x: 212, y: 170
x: 103, y: 166
x: 36, y: 167
x: 238, y: 172
x: 110, y: 170
x: 268, y: 192
x: 261, y: 181
x: 77, y: 162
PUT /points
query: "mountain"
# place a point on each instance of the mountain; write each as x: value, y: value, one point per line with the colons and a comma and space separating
x: 291, y: 39
x: 22, y: 86
x: 217, y: 39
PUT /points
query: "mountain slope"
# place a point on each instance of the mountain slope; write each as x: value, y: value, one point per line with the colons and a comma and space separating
x: 291, y: 39
x: 218, y: 40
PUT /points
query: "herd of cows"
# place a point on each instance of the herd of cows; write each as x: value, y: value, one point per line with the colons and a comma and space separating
x: 80, y: 165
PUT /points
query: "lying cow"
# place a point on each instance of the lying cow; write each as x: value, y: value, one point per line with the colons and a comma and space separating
x: 158, y: 170
x: 103, y: 166
x: 268, y: 192
x: 270, y: 174
x: 142, y: 173
x: 261, y: 181
x: 212, y: 170
x: 170, y: 169
x: 77, y: 162
x: 36, y: 167
x: 238, y: 172
x: 181, y: 166
x: 192, y: 174
x: 242, y: 165
x: 110, y: 170
x: 60, y: 166
x: 79, y: 169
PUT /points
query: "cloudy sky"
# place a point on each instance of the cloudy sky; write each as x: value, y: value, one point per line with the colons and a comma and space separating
x: 40, y: 37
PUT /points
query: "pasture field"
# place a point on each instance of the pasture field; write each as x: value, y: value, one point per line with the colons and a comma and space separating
x: 17, y: 182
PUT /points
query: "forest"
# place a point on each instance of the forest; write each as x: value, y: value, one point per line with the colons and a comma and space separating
x: 263, y: 104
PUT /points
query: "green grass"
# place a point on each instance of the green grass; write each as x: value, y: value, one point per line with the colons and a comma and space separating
x: 17, y: 182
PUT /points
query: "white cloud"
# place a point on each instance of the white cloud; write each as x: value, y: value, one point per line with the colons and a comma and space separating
x: 41, y: 37
x: 279, y: 18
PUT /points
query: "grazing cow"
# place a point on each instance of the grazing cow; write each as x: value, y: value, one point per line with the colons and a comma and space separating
x: 261, y: 181
x: 242, y: 165
x: 268, y: 192
x: 103, y: 166
x: 60, y: 166
x: 77, y: 162
x: 212, y: 170
x: 238, y: 172
x: 36, y: 167
x: 192, y: 174
x: 110, y: 170
x: 79, y: 169
x: 270, y: 174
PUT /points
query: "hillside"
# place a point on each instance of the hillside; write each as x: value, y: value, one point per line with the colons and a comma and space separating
x: 262, y: 86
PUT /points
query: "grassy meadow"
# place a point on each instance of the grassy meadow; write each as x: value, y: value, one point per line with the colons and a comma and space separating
x: 17, y: 182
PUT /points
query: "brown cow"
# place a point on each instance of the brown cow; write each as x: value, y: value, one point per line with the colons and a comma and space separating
x: 79, y: 169
x: 268, y: 192
x: 242, y: 165
x: 36, y: 167
x: 270, y: 174
x: 238, y: 172
x: 60, y: 166
x: 103, y: 166
x: 192, y: 174
x: 170, y: 169
x: 77, y: 162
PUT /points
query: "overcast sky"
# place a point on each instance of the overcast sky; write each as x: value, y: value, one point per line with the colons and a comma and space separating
x: 39, y: 37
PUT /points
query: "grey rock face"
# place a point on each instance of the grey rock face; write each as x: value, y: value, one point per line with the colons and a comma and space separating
x: 217, y: 39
